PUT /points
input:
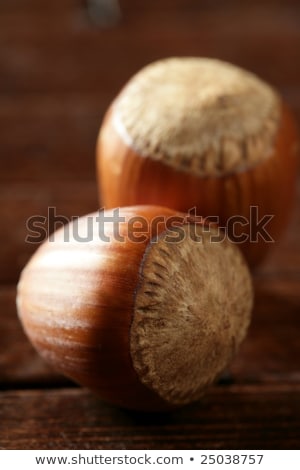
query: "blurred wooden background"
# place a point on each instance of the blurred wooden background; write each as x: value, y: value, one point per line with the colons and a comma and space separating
x: 61, y: 63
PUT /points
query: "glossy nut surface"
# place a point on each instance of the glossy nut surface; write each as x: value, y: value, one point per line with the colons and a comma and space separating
x: 145, y: 313
x: 233, y: 149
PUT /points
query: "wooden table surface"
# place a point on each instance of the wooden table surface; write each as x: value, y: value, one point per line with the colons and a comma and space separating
x: 59, y: 69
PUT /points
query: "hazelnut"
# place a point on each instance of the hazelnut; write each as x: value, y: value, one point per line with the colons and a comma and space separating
x: 195, y: 132
x: 146, y: 317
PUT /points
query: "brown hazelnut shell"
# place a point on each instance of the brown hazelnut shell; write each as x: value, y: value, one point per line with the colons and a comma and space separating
x: 119, y: 317
x: 127, y: 177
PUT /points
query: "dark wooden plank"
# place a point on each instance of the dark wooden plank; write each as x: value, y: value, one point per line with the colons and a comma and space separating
x: 33, y: 5
x: 50, y: 137
x: 19, y: 202
x: 284, y: 258
x: 235, y: 417
x: 271, y: 351
x: 58, y: 72
x: 212, y: 4
x: 53, y: 149
x: 74, y: 18
x: 58, y: 5
x: 270, y: 354
x: 70, y: 54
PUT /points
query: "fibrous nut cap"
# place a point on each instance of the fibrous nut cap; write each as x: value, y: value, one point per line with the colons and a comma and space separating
x: 192, y: 311
x: 199, y: 115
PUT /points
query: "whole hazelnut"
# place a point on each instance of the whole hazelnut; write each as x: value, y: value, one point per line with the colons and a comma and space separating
x: 146, y: 313
x: 198, y: 132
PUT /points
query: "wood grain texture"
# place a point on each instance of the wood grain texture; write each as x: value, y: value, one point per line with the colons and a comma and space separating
x: 158, y: 5
x: 20, y: 202
x: 283, y: 260
x: 271, y: 352
x: 234, y: 417
x: 58, y: 73
x: 70, y: 54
